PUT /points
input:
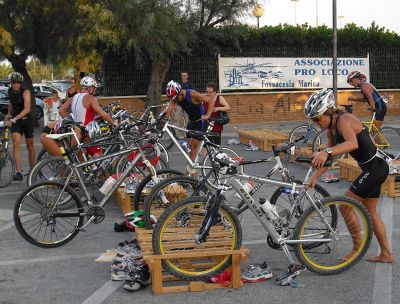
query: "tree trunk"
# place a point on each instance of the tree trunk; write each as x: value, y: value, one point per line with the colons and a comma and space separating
x: 159, y: 68
x: 18, y: 63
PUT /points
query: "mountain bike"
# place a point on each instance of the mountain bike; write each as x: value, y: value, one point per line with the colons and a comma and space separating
x: 7, y: 163
x: 50, y: 214
x: 176, y: 188
x: 386, y: 138
x: 321, y: 244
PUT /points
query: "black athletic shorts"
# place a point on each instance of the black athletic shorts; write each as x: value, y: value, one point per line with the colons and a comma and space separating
x: 373, y: 175
x: 195, y: 126
x: 47, y: 130
x: 23, y: 126
x: 215, y: 137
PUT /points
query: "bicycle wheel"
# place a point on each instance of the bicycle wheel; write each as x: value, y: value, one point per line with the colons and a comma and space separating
x: 344, y: 247
x: 308, y: 131
x: 206, y: 167
x: 175, y: 233
x: 48, y: 169
x: 7, y: 170
x: 39, y: 224
x: 146, y: 184
x: 169, y: 192
x: 389, y: 141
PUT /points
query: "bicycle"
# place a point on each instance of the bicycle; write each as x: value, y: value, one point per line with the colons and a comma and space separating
x: 387, y: 138
x: 324, y: 240
x: 7, y: 163
x: 41, y: 214
x: 308, y: 131
x: 176, y: 188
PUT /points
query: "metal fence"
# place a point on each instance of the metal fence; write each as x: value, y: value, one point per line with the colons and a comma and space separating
x: 123, y: 75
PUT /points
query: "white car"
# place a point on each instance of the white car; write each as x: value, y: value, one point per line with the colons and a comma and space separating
x: 43, y: 87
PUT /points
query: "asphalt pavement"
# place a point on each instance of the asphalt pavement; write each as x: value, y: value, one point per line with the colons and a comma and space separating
x: 68, y: 274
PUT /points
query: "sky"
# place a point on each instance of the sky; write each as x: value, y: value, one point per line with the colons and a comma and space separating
x: 385, y: 13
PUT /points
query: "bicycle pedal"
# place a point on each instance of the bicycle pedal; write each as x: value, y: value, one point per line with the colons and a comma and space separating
x: 289, y: 277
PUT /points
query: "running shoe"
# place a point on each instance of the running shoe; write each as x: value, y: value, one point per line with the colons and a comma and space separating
x: 256, y: 273
x: 138, y: 279
x: 18, y: 176
x: 330, y: 177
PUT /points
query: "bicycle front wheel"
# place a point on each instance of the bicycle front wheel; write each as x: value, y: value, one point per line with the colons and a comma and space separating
x: 41, y: 224
x: 7, y: 170
x: 175, y: 233
x: 330, y: 250
x: 389, y: 141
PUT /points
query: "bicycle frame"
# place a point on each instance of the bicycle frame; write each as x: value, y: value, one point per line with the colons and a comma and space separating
x: 193, y: 164
x: 374, y: 131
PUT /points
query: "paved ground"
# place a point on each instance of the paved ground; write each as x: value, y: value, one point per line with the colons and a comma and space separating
x: 29, y: 274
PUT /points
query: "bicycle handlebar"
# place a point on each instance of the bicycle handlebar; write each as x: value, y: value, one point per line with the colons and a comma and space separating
x: 286, y: 146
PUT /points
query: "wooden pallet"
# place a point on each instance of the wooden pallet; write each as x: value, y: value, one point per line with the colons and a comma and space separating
x: 349, y: 170
x: 124, y: 200
x: 263, y: 138
x: 190, y: 259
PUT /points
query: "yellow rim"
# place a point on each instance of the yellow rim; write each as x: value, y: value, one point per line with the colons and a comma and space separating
x: 196, y: 273
x: 364, y: 220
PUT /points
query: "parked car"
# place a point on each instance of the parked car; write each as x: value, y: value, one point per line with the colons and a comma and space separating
x: 4, y: 101
x: 5, y: 83
x: 47, y: 88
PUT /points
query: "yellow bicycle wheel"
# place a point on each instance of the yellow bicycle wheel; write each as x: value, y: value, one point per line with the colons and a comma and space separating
x: 175, y: 234
x: 331, y: 249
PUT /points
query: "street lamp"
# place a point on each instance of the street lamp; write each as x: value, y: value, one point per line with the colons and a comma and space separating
x: 295, y: 11
x: 258, y: 11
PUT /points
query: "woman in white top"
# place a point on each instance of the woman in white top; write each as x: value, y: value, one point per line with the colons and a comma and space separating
x: 52, y: 104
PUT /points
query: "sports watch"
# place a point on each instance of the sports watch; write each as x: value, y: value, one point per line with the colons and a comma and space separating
x: 329, y: 151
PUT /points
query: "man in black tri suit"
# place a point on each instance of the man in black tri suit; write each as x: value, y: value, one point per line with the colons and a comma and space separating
x: 19, y: 117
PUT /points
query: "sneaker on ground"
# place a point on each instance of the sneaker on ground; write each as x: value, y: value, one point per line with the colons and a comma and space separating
x: 138, y: 279
x: 256, y: 273
x: 134, y: 259
x: 119, y: 275
x: 252, y: 147
x: 330, y: 177
x: 18, y: 176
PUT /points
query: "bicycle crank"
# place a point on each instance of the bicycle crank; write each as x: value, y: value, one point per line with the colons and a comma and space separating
x: 97, y: 212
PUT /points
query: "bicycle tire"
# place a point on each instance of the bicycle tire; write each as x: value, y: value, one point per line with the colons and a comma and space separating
x: 347, y: 257
x: 391, y: 136
x: 29, y: 199
x: 140, y: 194
x: 7, y: 170
x: 45, y: 169
x: 171, y: 238
x: 167, y: 192
x: 303, y: 130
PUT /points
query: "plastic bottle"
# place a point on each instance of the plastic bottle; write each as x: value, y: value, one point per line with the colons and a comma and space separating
x: 289, y: 191
x: 184, y: 145
x: 268, y: 209
x: 247, y: 186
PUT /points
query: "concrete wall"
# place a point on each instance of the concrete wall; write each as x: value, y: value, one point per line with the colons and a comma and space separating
x: 272, y: 106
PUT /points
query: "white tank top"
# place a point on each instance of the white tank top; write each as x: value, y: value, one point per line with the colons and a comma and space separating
x: 77, y: 108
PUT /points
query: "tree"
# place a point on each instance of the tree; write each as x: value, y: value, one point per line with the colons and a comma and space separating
x: 156, y: 30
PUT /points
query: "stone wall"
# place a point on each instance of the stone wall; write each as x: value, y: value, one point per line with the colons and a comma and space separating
x: 272, y: 106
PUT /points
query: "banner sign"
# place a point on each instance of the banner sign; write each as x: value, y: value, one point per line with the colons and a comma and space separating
x: 239, y: 73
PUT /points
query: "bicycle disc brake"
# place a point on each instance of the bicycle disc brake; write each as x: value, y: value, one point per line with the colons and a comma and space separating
x: 98, y: 213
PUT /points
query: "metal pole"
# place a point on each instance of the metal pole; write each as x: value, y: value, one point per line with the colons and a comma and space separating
x: 258, y: 22
x: 334, y: 38
x: 316, y: 12
x: 295, y: 13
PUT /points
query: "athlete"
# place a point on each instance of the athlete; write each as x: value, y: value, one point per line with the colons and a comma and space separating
x: 191, y: 102
x: 83, y: 107
x: 370, y: 95
x: 346, y: 134
x: 19, y: 117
